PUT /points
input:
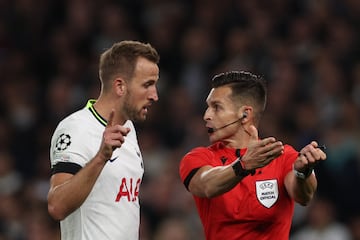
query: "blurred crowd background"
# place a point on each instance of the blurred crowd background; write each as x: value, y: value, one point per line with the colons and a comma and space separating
x: 308, y: 50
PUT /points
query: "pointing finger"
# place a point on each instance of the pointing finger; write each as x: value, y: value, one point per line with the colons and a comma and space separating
x: 111, y: 117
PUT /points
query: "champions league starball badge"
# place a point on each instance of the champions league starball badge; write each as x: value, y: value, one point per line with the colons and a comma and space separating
x: 63, y: 142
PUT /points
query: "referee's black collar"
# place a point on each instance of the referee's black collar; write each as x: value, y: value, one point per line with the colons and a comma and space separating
x: 90, y: 106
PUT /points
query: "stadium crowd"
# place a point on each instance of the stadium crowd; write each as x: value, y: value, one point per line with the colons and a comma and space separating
x: 309, y: 51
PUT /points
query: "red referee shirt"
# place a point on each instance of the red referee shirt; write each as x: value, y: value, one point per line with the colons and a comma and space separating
x: 257, y: 208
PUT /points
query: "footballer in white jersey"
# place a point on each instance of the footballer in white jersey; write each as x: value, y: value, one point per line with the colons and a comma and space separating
x: 112, y: 210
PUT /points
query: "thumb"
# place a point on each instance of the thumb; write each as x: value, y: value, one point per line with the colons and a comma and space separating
x: 253, y: 132
x: 314, y: 144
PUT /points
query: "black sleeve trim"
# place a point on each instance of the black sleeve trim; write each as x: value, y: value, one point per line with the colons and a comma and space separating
x: 189, y: 177
x: 65, y: 167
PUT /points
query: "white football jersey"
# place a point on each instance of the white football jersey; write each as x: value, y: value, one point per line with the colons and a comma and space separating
x: 111, y: 211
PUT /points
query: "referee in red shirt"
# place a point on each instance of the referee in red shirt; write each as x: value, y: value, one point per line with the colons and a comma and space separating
x: 245, y: 187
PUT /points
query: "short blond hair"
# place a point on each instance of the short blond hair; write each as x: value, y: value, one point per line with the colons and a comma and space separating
x: 121, y: 58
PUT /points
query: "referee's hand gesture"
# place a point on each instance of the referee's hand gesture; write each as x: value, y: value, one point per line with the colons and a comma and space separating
x: 261, y: 152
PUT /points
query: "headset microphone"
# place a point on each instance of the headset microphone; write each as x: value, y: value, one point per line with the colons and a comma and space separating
x: 212, y: 130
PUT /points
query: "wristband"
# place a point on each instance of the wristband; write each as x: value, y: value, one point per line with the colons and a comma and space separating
x: 303, y: 175
x: 240, y: 171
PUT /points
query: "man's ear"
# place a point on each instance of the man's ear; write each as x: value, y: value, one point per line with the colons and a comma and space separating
x: 245, y: 112
x: 119, y: 86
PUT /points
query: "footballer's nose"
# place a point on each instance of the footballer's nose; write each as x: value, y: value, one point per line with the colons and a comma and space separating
x: 154, y: 95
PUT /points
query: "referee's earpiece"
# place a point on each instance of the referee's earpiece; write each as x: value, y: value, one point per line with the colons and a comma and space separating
x: 244, y: 115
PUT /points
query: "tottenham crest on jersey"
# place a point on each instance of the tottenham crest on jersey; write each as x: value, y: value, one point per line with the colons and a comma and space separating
x: 62, y: 142
x: 267, y: 192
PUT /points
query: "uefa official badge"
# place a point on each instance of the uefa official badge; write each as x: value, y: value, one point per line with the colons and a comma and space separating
x: 63, y: 142
x: 267, y: 192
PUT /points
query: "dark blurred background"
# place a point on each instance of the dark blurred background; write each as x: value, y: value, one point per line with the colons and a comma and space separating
x: 308, y: 50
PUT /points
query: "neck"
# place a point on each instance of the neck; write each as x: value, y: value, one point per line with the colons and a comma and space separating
x: 235, y: 144
x: 239, y: 140
x: 104, y: 106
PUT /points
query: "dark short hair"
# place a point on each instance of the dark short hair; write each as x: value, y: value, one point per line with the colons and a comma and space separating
x: 247, y: 88
x: 121, y: 59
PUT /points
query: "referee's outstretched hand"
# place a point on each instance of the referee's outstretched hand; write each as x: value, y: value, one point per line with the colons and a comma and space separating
x: 113, y: 137
x: 260, y: 152
x: 309, y: 157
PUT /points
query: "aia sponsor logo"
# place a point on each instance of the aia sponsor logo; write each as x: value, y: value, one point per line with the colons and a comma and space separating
x: 128, y: 190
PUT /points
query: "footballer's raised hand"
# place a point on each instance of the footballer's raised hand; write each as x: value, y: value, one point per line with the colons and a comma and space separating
x: 113, y: 137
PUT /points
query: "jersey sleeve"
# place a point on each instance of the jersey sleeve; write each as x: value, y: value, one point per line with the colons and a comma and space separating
x: 69, y: 151
x: 192, y: 161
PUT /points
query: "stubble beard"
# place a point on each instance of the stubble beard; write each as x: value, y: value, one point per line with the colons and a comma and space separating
x: 131, y: 112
